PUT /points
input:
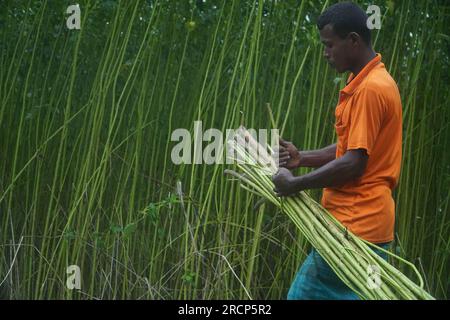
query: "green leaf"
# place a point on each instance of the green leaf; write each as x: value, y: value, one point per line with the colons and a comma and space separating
x: 189, y: 277
x: 116, y: 229
x: 130, y: 228
x: 171, y: 199
x: 161, y: 233
x: 100, y: 243
x: 70, y: 235
x: 152, y: 212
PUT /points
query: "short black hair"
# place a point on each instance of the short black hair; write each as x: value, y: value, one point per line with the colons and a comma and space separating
x: 346, y: 17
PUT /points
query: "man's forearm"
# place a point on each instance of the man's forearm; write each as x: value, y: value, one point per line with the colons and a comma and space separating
x: 335, y: 173
x: 317, y: 158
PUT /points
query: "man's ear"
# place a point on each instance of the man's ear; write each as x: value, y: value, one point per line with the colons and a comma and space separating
x: 355, y: 39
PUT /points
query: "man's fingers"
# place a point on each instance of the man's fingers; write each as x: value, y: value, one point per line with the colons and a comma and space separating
x: 283, y: 142
x: 277, y: 193
x: 280, y: 155
x: 279, y: 149
x: 283, y: 160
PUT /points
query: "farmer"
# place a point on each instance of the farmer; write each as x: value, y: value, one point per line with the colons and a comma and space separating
x: 359, y: 172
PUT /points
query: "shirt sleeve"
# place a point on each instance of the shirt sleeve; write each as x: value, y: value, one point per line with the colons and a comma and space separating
x: 367, y: 116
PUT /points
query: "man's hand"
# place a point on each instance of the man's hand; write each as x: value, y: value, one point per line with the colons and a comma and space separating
x: 287, y: 154
x: 284, y: 182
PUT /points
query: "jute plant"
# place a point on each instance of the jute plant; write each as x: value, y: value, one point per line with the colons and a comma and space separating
x: 351, y: 258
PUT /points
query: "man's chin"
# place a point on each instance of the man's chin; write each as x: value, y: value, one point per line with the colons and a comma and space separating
x: 337, y: 69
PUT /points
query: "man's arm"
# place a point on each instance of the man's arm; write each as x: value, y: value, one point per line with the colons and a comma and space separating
x: 337, y: 172
x: 317, y: 158
x: 291, y: 158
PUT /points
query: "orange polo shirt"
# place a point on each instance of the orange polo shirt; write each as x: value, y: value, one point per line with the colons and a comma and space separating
x: 369, y: 116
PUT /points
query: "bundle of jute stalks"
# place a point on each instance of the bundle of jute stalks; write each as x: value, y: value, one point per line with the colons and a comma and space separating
x: 352, y: 258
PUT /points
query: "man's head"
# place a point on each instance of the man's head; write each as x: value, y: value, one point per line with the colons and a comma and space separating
x: 343, y: 31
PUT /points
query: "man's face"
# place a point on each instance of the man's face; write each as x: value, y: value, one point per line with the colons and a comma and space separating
x: 337, y: 51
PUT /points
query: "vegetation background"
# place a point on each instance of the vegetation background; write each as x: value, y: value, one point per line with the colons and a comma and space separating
x: 85, y: 121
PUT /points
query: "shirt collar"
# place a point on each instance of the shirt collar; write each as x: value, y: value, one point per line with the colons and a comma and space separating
x: 353, y: 82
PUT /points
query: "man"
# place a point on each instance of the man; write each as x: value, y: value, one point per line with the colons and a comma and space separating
x: 359, y: 172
